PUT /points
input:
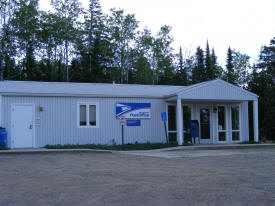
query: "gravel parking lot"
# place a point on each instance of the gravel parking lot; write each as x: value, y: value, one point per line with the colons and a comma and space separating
x: 231, y: 177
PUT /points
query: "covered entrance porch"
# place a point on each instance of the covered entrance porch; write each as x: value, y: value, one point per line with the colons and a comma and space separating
x: 221, y: 110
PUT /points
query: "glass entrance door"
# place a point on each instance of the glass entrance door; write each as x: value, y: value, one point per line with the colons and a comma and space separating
x: 186, y: 114
x: 172, y: 123
x: 222, y: 128
x: 205, y: 124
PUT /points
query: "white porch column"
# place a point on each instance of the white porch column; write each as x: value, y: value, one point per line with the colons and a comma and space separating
x: 179, y: 122
x: 255, y: 120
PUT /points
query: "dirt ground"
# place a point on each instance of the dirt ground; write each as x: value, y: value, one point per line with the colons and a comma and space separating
x: 231, y: 177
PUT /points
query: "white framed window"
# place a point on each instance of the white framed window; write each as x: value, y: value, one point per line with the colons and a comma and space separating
x: 87, y: 115
x: 235, y: 121
x: 171, y: 110
x: 172, y: 122
x: 222, y: 123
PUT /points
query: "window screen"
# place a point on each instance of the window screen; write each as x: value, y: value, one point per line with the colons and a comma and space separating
x: 88, y: 115
x: 83, y: 116
x: 92, y: 115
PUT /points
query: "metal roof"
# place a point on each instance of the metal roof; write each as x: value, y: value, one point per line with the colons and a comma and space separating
x: 31, y: 88
x: 214, y: 89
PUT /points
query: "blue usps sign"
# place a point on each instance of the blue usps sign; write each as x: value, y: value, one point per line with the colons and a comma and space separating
x: 133, y: 110
x: 163, y: 116
x: 133, y: 122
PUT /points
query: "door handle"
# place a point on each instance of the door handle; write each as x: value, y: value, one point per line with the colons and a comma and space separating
x: 30, y: 127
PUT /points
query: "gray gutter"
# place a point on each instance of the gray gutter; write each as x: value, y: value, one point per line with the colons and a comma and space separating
x: 80, y: 95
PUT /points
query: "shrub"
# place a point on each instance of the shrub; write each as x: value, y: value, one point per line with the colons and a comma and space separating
x: 146, y: 146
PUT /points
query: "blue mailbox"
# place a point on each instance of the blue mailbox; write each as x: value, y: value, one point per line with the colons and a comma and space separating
x: 193, y: 130
x: 3, y: 137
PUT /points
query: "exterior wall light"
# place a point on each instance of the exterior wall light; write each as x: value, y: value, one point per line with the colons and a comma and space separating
x: 41, y: 108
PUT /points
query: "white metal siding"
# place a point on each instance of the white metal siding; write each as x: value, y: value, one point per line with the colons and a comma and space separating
x: 58, y: 121
x: 217, y: 91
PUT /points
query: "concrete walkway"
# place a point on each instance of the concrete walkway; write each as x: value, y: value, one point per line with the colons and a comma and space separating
x: 179, y: 148
x: 203, y: 151
x: 218, y: 146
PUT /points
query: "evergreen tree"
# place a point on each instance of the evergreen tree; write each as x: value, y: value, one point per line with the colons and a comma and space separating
x: 230, y: 74
x: 198, y: 73
x: 208, y: 65
x: 181, y: 77
x: 267, y: 58
x: 180, y: 60
x: 261, y: 84
x: 94, y: 30
x: 142, y: 73
x: 213, y: 57
x: 217, y: 70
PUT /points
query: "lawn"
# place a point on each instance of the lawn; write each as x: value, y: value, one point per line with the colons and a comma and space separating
x: 146, y: 146
x: 3, y: 148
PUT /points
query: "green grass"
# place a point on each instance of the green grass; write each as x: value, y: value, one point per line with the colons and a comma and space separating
x: 146, y: 146
x: 249, y: 142
x: 3, y: 148
x: 187, y: 144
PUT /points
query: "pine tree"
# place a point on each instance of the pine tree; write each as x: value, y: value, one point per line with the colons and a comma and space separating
x: 208, y: 65
x: 267, y: 58
x: 198, y: 73
x: 217, y: 70
x: 261, y: 83
x: 230, y: 75
x: 213, y: 58
x: 180, y: 59
x: 94, y: 21
x: 181, y: 77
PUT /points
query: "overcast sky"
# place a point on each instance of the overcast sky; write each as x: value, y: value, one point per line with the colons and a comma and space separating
x: 245, y: 25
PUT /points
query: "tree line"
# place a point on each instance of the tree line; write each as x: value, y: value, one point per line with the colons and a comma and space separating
x: 70, y: 43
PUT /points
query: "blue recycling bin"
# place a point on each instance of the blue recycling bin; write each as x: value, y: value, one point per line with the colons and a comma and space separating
x: 193, y: 130
x: 3, y: 137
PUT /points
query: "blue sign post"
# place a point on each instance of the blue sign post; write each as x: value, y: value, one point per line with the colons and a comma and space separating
x: 163, y: 116
x: 164, y: 119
